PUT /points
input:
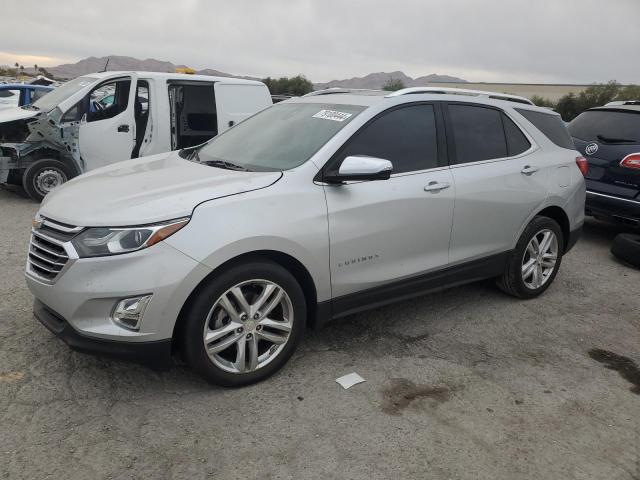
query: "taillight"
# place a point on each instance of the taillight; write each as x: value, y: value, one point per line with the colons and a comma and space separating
x: 631, y: 161
x: 583, y: 165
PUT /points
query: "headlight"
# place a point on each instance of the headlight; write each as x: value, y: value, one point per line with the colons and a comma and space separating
x: 101, y: 241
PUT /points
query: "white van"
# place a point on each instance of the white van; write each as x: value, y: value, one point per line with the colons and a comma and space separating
x: 102, y: 118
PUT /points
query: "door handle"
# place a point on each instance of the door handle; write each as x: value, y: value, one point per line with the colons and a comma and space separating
x: 436, y: 186
x: 123, y: 128
x: 529, y: 170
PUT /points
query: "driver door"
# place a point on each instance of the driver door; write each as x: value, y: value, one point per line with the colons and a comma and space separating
x: 395, y: 230
x: 107, y: 131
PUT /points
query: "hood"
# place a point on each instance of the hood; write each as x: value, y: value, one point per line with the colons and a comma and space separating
x: 16, y: 113
x: 147, y: 190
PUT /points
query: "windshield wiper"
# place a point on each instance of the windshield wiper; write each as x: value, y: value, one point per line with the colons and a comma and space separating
x: 604, y: 139
x: 225, y: 164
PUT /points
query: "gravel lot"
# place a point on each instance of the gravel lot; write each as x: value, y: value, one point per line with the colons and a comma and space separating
x: 467, y: 384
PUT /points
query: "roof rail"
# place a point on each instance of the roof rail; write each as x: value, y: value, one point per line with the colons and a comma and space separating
x: 462, y: 91
x: 330, y: 91
x: 622, y: 102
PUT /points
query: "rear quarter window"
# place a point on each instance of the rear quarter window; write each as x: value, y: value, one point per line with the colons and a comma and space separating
x: 517, y: 143
x: 551, y: 126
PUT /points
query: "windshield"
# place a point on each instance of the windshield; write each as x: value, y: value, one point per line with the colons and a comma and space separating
x: 279, y: 138
x: 607, y: 126
x: 64, y: 91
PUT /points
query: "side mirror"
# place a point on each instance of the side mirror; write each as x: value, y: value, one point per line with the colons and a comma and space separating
x: 361, y: 168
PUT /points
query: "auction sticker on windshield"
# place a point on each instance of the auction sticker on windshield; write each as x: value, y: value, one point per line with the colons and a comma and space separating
x: 333, y: 115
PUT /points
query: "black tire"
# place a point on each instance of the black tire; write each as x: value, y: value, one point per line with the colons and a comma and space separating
x: 193, y: 348
x: 36, y: 175
x: 626, y: 246
x: 511, y: 281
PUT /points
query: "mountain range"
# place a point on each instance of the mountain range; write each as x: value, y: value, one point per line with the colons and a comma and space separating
x: 378, y: 80
x: 117, y: 62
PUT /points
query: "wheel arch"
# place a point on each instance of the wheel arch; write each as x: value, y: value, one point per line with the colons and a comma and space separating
x: 291, y: 264
x: 560, y: 216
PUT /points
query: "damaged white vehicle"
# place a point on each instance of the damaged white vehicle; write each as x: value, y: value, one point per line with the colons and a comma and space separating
x: 102, y: 118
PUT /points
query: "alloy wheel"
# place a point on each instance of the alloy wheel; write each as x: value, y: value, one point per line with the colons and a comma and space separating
x: 539, y: 259
x: 248, y: 326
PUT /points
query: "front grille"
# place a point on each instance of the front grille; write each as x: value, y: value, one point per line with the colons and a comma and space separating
x: 47, y: 254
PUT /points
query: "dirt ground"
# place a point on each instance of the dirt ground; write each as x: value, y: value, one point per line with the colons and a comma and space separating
x: 466, y: 384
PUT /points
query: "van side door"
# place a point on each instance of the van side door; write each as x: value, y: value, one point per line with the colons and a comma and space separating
x: 235, y: 102
x: 499, y: 180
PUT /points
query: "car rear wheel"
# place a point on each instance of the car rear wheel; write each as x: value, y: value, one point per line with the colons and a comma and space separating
x: 44, y: 175
x: 245, y: 324
x: 534, y: 263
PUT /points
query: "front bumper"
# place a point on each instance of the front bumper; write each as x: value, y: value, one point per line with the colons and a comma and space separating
x: 85, y: 294
x: 621, y: 209
x: 156, y: 354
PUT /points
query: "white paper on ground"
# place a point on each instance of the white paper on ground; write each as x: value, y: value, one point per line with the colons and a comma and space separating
x: 350, y: 380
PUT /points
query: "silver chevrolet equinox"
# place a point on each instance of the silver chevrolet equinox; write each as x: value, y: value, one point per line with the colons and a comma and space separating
x: 316, y: 208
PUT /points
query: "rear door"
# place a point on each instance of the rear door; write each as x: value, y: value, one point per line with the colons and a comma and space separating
x: 605, y: 137
x: 498, y: 180
x: 107, y: 130
x: 235, y: 102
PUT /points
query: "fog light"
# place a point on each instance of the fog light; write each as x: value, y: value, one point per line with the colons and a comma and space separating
x: 129, y: 311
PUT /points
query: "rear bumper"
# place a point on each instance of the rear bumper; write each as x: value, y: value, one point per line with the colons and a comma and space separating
x: 616, y: 208
x: 156, y: 354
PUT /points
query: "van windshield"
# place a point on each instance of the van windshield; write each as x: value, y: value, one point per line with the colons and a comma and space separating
x: 279, y: 138
x: 54, y: 97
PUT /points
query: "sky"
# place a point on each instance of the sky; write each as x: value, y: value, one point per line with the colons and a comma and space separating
x: 530, y: 41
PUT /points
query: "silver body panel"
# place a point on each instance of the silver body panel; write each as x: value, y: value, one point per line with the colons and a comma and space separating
x: 349, y: 237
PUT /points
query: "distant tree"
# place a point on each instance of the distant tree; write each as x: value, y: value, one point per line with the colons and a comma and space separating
x: 542, y: 102
x: 21, y: 68
x: 393, y: 84
x: 46, y: 73
x: 629, y: 92
x: 572, y: 105
x: 17, y: 65
x: 569, y: 106
x: 296, y: 86
x: 35, y: 67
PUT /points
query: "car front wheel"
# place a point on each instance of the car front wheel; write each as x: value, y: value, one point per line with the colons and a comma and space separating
x: 533, y: 264
x: 244, y: 324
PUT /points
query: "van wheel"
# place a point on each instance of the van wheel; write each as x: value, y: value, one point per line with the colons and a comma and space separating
x: 534, y: 263
x: 244, y: 324
x: 42, y: 176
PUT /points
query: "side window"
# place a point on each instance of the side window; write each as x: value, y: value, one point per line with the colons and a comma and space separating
x: 478, y: 133
x: 405, y: 136
x: 9, y: 98
x: 75, y: 113
x: 109, y: 99
x: 517, y: 143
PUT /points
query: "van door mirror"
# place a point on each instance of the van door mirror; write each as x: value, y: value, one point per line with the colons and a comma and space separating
x: 361, y: 167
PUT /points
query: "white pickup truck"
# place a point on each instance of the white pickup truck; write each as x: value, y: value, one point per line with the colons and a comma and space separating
x: 102, y: 118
